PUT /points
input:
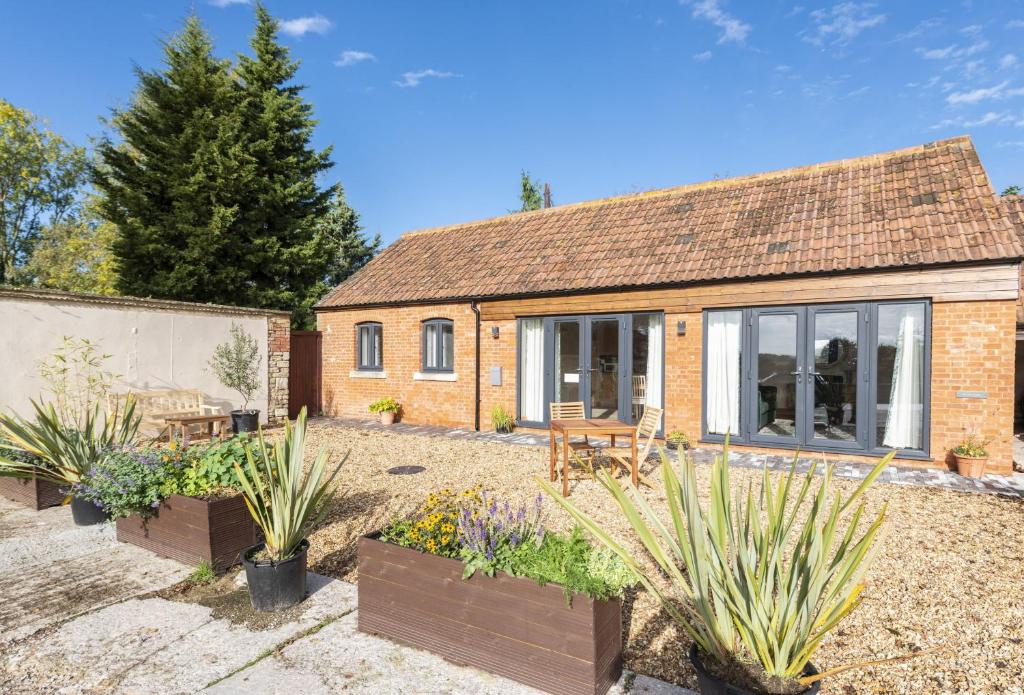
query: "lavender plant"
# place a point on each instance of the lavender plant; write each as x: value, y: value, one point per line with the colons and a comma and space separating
x: 129, y: 480
x: 494, y: 534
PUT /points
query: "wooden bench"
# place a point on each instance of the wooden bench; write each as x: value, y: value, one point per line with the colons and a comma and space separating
x: 157, y: 408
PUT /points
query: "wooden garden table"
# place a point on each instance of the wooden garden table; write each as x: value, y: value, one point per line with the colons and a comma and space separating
x: 590, y: 427
x: 182, y: 422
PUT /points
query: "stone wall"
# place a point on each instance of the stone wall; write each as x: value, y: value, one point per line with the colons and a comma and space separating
x: 278, y: 358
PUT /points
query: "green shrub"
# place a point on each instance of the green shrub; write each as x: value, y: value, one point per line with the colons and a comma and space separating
x: 384, y: 405
x: 203, y: 573
x: 501, y: 419
x: 973, y: 447
x: 678, y: 437
x: 211, y: 469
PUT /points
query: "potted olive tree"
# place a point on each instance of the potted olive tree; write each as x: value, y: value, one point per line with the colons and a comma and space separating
x: 971, y: 457
x: 236, y: 364
x: 287, y: 501
x: 387, y: 408
x: 764, y: 577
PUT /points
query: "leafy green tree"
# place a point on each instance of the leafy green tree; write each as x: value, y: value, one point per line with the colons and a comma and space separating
x: 1011, y: 190
x: 40, y: 178
x: 529, y: 194
x: 173, y: 182
x: 75, y: 254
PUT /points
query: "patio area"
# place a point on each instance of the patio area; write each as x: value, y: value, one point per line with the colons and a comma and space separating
x: 947, y: 576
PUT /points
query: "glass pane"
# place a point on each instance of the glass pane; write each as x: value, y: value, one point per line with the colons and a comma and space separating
x: 723, y: 347
x: 430, y: 345
x: 900, y: 405
x: 447, y: 346
x: 647, y: 363
x: 364, y: 346
x: 776, y: 375
x: 377, y: 350
x: 567, y: 361
x: 835, y: 376
x: 531, y: 370
x: 604, y: 369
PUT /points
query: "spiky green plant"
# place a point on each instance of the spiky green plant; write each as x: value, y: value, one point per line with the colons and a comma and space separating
x: 65, y: 449
x: 286, y: 502
x: 760, y: 581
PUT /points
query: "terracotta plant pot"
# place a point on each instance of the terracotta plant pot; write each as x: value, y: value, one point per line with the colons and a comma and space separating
x: 970, y: 466
x: 387, y: 418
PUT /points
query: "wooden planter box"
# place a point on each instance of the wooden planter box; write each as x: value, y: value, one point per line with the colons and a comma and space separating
x: 189, y: 530
x: 31, y: 492
x: 509, y: 626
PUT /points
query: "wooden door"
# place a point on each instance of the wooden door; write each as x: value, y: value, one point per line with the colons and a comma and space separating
x: 304, y: 373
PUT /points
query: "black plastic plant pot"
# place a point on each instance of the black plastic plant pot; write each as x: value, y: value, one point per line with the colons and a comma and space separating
x: 276, y: 586
x: 86, y: 513
x: 709, y: 684
x: 245, y: 420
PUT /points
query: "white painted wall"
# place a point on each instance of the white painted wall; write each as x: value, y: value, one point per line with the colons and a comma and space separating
x: 151, y: 349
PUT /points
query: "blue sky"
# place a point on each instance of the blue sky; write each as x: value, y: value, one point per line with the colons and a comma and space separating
x: 434, y: 107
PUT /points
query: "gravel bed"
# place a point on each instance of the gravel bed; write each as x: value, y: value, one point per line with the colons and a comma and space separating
x: 948, y: 576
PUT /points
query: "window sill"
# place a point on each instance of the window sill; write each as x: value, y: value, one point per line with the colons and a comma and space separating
x: 368, y: 374
x: 435, y: 376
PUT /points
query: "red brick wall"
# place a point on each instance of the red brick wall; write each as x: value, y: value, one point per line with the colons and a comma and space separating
x: 436, y: 402
x: 972, y: 350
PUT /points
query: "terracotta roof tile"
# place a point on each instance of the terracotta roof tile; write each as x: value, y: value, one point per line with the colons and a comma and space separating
x: 1014, y: 205
x: 924, y: 205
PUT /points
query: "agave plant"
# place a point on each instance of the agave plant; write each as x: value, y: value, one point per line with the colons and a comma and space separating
x: 758, y: 582
x: 64, y: 450
x: 286, y: 502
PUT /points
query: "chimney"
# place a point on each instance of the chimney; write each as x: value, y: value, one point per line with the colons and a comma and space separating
x: 547, y: 195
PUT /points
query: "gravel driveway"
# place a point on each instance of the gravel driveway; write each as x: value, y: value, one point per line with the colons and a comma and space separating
x: 949, y: 573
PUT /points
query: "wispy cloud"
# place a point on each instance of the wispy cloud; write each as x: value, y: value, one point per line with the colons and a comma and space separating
x: 1008, y: 61
x: 300, y: 26
x: 228, y: 3
x: 702, y: 57
x: 413, y: 78
x: 953, y: 51
x: 1019, y: 144
x: 919, y: 29
x: 733, y: 29
x: 1015, y: 24
x: 842, y: 23
x: 986, y: 119
x: 993, y: 93
x: 353, y: 57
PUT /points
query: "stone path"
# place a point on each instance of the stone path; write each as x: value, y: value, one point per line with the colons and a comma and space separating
x: 78, y: 616
x: 1007, y: 485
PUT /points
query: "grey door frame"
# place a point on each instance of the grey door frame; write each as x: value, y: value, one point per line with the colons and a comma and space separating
x: 753, y: 377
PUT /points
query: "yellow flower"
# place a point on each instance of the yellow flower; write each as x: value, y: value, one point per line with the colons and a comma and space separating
x: 448, y: 528
x: 445, y: 539
x: 172, y: 445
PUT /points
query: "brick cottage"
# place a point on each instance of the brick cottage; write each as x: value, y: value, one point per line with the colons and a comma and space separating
x: 852, y: 307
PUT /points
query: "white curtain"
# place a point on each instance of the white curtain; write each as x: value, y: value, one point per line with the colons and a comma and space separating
x: 722, y: 393
x: 531, y: 370
x: 903, y: 427
x: 654, y: 360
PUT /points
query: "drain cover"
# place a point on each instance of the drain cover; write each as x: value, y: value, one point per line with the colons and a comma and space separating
x: 406, y: 470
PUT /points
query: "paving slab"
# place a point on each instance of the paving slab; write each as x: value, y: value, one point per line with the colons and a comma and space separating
x: 340, y: 658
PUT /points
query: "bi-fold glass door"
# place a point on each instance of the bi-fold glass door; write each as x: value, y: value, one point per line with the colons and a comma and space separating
x: 587, y: 364
x: 613, y: 363
x: 803, y: 381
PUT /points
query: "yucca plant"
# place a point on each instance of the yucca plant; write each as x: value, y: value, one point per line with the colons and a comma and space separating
x: 64, y: 450
x: 763, y: 577
x: 286, y: 501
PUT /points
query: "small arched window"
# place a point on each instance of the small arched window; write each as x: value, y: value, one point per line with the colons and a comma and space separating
x: 438, y: 345
x: 369, y: 346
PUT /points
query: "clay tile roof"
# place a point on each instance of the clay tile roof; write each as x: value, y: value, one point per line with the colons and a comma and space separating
x: 1014, y: 205
x: 924, y: 205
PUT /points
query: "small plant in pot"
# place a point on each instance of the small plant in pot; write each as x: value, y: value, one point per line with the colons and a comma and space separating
x: 971, y: 457
x: 758, y: 579
x: 236, y: 364
x: 676, y: 439
x: 502, y: 420
x: 386, y: 408
x: 287, y: 501
x: 64, y: 451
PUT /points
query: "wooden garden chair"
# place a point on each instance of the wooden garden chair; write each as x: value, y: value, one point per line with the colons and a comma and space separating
x: 581, y: 451
x: 639, y: 395
x: 621, y: 456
